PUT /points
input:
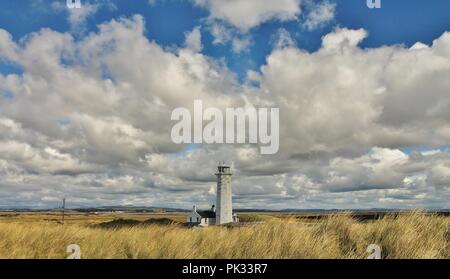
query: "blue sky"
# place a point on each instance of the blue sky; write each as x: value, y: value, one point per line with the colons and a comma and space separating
x: 358, y: 129
x: 167, y: 21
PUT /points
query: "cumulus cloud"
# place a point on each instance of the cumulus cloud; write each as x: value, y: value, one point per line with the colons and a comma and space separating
x: 76, y: 17
x: 100, y: 104
x: 90, y: 119
x: 8, y: 49
x: 241, y: 44
x: 231, y: 21
x: 283, y: 39
x: 319, y: 14
x: 193, y: 40
x: 247, y: 14
x: 343, y: 97
x: 223, y: 35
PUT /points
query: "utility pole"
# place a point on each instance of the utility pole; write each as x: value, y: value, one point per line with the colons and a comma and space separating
x: 63, y: 210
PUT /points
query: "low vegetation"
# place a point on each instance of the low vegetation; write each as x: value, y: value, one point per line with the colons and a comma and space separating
x: 411, y: 235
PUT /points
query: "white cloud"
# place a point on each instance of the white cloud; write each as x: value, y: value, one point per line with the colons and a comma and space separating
x: 343, y: 38
x: 90, y: 119
x: 283, y: 39
x: 193, y: 40
x: 223, y: 35
x: 116, y: 89
x: 77, y: 17
x: 319, y: 14
x: 344, y: 97
x: 241, y: 44
x: 231, y: 21
x: 220, y: 33
x: 247, y: 14
x: 8, y: 49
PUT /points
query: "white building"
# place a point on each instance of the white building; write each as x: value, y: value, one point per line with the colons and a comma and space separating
x: 224, y: 212
x: 202, y: 218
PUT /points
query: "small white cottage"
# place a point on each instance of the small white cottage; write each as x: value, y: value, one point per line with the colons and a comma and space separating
x: 202, y: 218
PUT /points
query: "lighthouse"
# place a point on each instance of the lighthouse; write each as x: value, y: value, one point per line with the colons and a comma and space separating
x: 222, y: 212
x: 224, y: 206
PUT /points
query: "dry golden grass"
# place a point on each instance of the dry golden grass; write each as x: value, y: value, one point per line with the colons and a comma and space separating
x: 412, y: 235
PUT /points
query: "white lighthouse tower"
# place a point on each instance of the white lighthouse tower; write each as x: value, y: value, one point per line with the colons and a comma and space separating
x: 224, y: 207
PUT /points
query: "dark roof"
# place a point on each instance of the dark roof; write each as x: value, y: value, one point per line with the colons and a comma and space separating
x: 207, y: 214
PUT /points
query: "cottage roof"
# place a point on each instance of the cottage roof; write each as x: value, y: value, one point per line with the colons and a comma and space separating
x: 207, y: 214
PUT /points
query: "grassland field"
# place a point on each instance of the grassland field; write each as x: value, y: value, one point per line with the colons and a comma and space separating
x: 277, y: 236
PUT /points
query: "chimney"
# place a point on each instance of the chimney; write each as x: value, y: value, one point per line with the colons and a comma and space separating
x: 213, y: 208
x: 194, y: 208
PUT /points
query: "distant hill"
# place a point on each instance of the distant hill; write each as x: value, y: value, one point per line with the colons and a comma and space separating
x: 154, y: 209
x: 130, y: 209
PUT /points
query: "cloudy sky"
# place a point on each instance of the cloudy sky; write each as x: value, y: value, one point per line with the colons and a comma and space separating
x: 86, y: 97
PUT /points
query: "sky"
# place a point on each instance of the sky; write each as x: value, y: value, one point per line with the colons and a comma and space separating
x: 86, y: 97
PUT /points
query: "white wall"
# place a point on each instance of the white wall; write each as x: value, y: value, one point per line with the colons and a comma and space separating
x: 208, y: 221
x: 192, y: 217
x: 224, y: 211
